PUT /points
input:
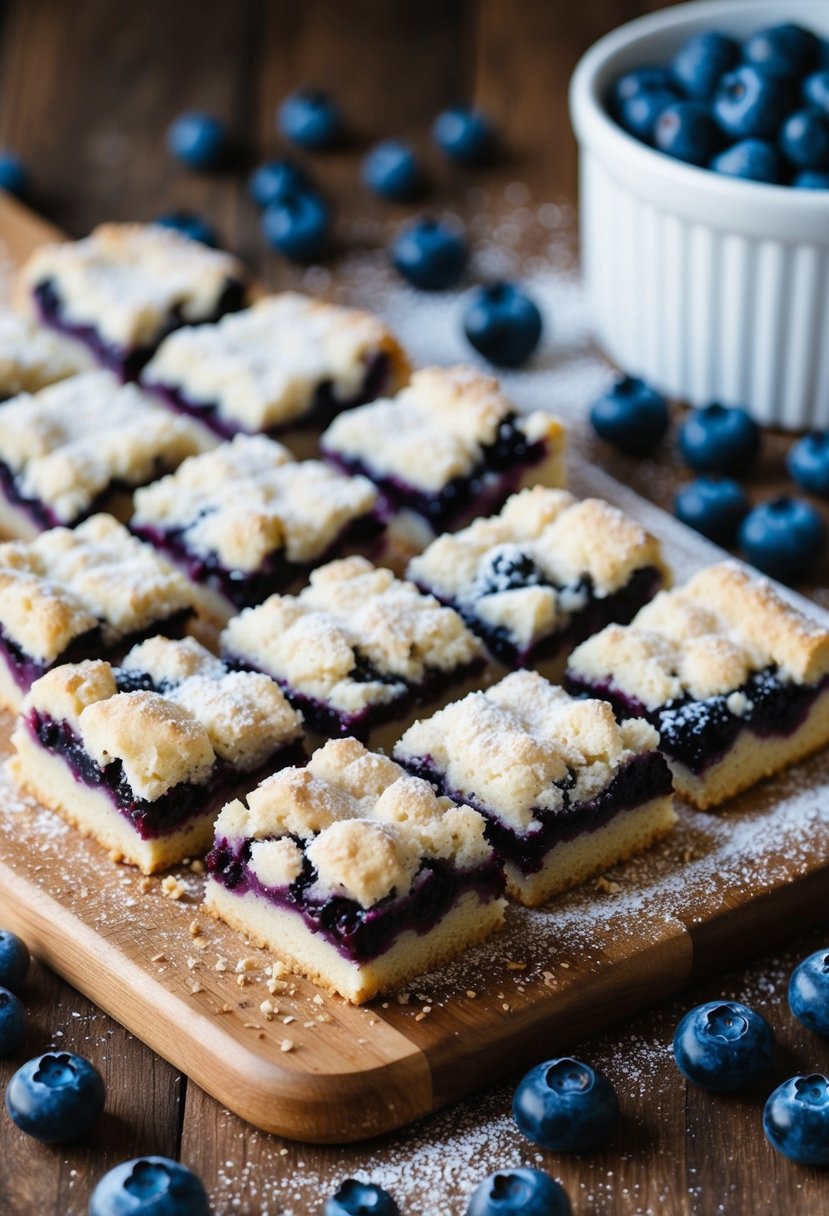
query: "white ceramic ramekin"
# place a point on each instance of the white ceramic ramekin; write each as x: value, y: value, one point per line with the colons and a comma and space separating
x: 712, y: 288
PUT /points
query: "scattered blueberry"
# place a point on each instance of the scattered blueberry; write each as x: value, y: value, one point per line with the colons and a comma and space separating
x: 809, y: 992
x: 502, y: 323
x: 197, y: 139
x: 713, y: 506
x: 13, y: 1022
x: 464, y: 135
x: 783, y: 50
x: 14, y: 960
x: 643, y: 80
x: 56, y: 1097
x: 702, y: 60
x: 719, y: 439
x: 748, y: 103
x: 360, y: 1199
x: 783, y: 537
x: 804, y: 139
x: 298, y: 225
x: 686, y: 131
x: 273, y: 180
x: 754, y: 159
x: 189, y: 224
x: 796, y: 1119
x: 565, y: 1105
x: 723, y: 1046
x: 391, y: 170
x: 816, y: 90
x: 631, y: 415
x: 13, y: 176
x: 429, y: 255
x: 640, y: 113
x: 811, y: 179
x: 520, y: 1190
x: 149, y: 1186
x: 808, y: 463
x: 311, y: 119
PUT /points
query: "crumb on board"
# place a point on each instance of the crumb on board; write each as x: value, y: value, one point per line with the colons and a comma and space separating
x: 195, y: 927
x: 286, y: 1045
x: 173, y: 887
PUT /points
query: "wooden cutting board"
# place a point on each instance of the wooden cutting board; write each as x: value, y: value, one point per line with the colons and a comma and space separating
x: 314, y: 1068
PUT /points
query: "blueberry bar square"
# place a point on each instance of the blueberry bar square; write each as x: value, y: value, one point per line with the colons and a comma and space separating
x: 246, y: 520
x: 78, y: 447
x: 126, y: 286
x: 143, y: 756
x: 543, y: 574
x: 354, y: 873
x: 448, y: 448
x: 289, y: 360
x: 356, y: 648
x: 81, y: 593
x: 734, y: 678
x: 31, y: 358
x: 566, y: 791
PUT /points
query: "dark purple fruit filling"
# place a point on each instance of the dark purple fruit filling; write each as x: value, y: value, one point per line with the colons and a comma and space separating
x: 360, y: 934
x: 699, y: 733
x: 325, y: 404
x: 25, y: 670
x: 126, y: 362
x: 482, y: 491
x: 644, y: 778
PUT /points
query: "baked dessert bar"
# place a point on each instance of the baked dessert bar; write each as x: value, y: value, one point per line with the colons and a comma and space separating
x: 73, y: 448
x: 354, y: 873
x: 246, y: 520
x: 126, y: 286
x: 32, y: 358
x: 288, y: 360
x: 566, y: 790
x: 733, y: 677
x: 77, y: 594
x: 544, y: 574
x: 449, y: 447
x: 355, y: 648
x: 144, y: 755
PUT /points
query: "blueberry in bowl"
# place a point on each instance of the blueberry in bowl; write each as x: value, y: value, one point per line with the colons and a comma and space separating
x: 502, y: 323
x: 14, y: 960
x: 755, y: 160
x: 809, y: 992
x: 353, y: 1198
x: 56, y: 1098
x: 565, y: 1105
x: 808, y: 459
x: 714, y: 506
x: 631, y: 415
x: 686, y: 131
x: 804, y: 139
x: 149, y: 1186
x: 719, y: 439
x: 796, y: 1119
x: 783, y: 537
x: 702, y: 60
x: 786, y: 50
x: 750, y: 104
x: 723, y: 1046
x: 520, y: 1190
x: 13, y: 1022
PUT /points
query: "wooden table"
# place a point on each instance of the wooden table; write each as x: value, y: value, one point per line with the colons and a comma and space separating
x: 86, y: 92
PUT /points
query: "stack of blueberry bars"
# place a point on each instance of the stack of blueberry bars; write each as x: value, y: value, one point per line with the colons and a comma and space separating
x: 376, y: 760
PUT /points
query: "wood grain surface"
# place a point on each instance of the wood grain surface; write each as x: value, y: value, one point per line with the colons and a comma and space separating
x: 86, y: 92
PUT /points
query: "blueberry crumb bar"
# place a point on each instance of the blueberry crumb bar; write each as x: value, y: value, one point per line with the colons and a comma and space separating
x: 31, y: 358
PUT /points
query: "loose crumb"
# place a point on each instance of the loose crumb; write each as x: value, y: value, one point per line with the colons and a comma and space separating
x: 172, y: 887
x: 286, y: 1045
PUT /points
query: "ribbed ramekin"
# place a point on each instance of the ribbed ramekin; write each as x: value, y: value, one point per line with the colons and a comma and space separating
x: 712, y: 288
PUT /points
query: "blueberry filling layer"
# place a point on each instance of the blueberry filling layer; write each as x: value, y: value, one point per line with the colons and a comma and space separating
x: 324, y: 407
x: 700, y: 733
x: 25, y: 670
x: 639, y: 781
x: 359, y: 934
x: 126, y: 361
x: 482, y: 491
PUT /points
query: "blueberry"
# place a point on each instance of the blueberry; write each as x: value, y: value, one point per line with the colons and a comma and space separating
x: 565, y: 1105
x: 816, y: 90
x: 391, y: 170
x: 754, y: 159
x: 686, y: 131
x: 750, y: 103
x: 429, y: 255
x: 713, y: 506
x: 702, y: 60
x: 298, y: 225
x: 508, y: 571
x: 360, y: 1199
x: 464, y: 135
x: 811, y: 179
x: 13, y: 1022
x: 796, y: 1119
x: 631, y: 415
x: 783, y: 537
x: 13, y: 176
x: 639, y: 114
x: 723, y: 1046
x: 719, y: 439
x: 56, y: 1097
x: 808, y: 463
x: 809, y: 992
x: 197, y: 139
x: 273, y: 180
x: 189, y: 224
x: 649, y: 79
x: 804, y: 139
x: 502, y: 323
x: 311, y: 119
x: 520, y: 1190
x: 783, y: 50
x: 14, y: 960
x: 149, y: 1186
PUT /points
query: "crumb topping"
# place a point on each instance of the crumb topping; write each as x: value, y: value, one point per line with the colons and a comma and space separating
x: 32, y: 357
